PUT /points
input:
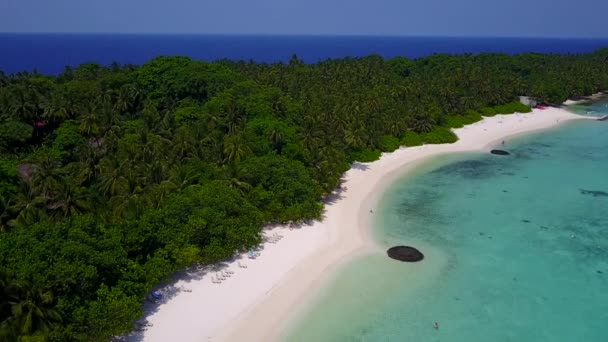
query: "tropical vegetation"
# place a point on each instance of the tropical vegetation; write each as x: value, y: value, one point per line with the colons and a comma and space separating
x: 113, y: 178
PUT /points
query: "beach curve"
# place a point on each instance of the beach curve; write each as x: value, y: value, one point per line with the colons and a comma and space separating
x: 256, y: 301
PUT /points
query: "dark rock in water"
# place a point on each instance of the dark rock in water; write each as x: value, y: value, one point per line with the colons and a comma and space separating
x: 500, y: 152
x: 504, y: 191
x: 594, y: 193
x: 599, y: 272
x: 405, y: 253
x: 525, y: 221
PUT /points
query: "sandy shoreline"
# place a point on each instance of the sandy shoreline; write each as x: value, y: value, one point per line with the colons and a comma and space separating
x: 255, y: 303
x: 583, y: 99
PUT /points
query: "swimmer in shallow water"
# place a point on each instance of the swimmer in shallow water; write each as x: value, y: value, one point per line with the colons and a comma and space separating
x: 436, y: 326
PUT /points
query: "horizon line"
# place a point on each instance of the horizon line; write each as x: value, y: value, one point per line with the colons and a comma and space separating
x: 301, y: 35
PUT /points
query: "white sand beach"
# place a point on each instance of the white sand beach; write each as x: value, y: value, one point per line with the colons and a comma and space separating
x: 254, y: 303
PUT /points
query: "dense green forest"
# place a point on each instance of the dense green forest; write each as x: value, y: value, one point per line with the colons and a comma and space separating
x: 113, y: 178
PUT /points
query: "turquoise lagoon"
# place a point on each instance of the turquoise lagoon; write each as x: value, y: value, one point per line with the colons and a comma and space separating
x: 595, y: 108
x: 516, y: 249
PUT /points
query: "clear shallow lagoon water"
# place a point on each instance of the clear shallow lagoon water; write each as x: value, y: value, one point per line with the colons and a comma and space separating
x: 595, y: 108
x: 514, y: 250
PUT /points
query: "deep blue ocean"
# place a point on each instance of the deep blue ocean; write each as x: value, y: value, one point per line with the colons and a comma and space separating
x: 50, y: 53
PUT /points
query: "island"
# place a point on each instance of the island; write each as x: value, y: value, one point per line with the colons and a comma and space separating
x: 116, y: 181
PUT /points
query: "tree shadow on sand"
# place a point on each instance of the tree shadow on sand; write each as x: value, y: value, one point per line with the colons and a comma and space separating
x: 169, y: 290
x: 359, y: 166
x: 335, y: 196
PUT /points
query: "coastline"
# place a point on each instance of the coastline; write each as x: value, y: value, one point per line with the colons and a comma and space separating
x: 583, y: 99
x: 256, y: 301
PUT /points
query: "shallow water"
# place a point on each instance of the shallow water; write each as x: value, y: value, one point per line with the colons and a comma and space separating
x: 595, y: 108
x: 516, y: 249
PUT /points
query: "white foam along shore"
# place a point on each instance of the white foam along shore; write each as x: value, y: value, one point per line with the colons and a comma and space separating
x: 255, y: 302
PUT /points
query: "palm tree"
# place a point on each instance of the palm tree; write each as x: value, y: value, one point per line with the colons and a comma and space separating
x: 210, y: 148
x: 22, y: 105
x: 112, y: 182
x: 32, y: 310
x: 339, y: 120
x: 123, y: 100
x: 46, y: 175
x: 87, y: 165
x: 5, y: 213
x: 211, y: 121
x: 89, y: 124
x: 232, y: 176
x: 373, y: 104
x: 276, y: 139
x: 4, y: 103
x: 156, y: 196
x: 310, y: 134
x: 108, y: 117
x: 183, y: 143
x: 356, y: 137
x: 151, y: 116
x: 61, y: 104
x: 167, y: 122
x: 5, y: 282
x: 129, y: 203
x: 421, y: 123
x: 182, y: 177
x: 7, y: 332
x: 27, y: 205
x: 234, y: 117
x: 56, y: 109
x: 156, y: 171
x: 69, y: 200
x: 128, y: 99
x: 235, y: 149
